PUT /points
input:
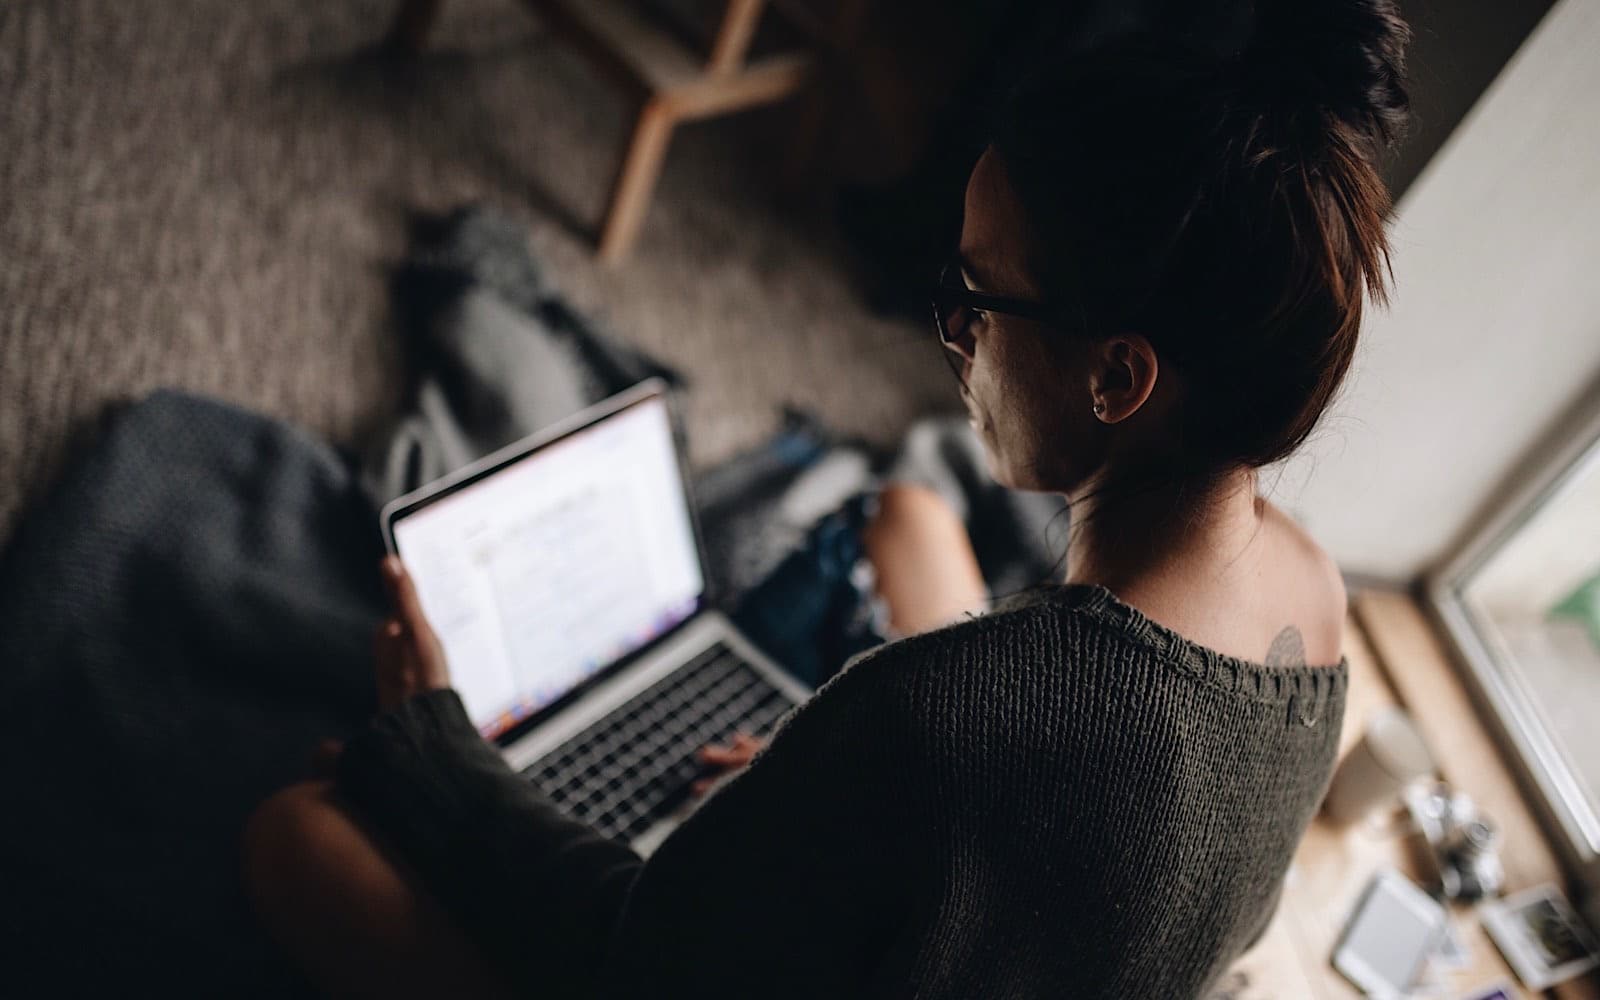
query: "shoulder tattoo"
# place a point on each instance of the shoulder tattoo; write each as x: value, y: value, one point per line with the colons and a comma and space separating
x: 1287, y: 650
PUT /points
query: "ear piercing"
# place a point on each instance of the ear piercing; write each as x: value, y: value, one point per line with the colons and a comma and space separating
x: 1099, y: 409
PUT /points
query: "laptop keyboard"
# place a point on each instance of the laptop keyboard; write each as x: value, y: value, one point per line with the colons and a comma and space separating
x: 634, y: 766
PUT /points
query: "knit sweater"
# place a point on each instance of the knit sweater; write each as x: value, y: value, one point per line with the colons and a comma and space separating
x: 1058, y: 799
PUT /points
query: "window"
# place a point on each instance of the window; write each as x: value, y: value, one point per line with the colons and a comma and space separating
x: 1521, y: 602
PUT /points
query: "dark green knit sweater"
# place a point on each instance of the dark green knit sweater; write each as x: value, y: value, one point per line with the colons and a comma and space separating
x: 1058, y: 799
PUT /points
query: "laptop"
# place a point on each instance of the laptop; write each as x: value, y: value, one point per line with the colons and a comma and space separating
x: 565, y: 578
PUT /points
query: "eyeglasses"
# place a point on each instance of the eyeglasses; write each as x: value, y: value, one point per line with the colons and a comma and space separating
x: 954, y: 304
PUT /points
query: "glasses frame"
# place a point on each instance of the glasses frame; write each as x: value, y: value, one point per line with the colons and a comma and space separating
x: 947, y: 296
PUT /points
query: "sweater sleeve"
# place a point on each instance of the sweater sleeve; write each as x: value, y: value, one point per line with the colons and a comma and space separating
x: 541, y: 892
x: 786, y: 882
x: 791, y: 880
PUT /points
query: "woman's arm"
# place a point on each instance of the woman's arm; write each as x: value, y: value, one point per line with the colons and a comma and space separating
x: 792, y: 880
x: 538, y: 891
x: 785, y: 876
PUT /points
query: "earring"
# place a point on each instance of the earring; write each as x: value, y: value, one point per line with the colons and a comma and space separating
x: 1099, y: 409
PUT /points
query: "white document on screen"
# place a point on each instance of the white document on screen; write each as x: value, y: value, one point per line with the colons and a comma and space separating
x: 557, y: 565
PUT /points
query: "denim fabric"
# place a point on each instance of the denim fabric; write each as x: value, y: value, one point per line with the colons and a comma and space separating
x: 818, y: 608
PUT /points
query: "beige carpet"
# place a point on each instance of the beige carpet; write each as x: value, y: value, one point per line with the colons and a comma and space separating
x: 208, y: 194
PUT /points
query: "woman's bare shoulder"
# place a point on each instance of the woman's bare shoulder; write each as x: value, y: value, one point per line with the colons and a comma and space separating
x: 1309, y: 585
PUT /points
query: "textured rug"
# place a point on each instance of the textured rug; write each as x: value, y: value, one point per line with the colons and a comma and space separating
x: 207, y: 195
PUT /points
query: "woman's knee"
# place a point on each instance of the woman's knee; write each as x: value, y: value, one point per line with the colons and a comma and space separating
x: 283, y: 841
x: 926, y: 569
x: 351, y: 919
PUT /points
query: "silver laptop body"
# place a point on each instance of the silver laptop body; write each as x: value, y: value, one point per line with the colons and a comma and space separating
x: 455, y: 550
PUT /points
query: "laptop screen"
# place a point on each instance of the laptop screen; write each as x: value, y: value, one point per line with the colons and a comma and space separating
x: 550, y: 569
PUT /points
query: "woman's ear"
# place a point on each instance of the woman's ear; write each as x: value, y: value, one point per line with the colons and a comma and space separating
x: 1124, y: 376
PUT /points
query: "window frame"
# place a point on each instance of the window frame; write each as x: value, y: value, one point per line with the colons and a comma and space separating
x: 1560, y: 461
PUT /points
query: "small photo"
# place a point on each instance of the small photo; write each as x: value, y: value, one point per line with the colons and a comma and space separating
x: 1541, y: 936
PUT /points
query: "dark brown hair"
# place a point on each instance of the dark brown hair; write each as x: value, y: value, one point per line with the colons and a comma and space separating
x: 1227, y: 205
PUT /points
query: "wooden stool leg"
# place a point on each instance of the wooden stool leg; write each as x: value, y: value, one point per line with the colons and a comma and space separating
x: 416, y: 18
x: 636, y: 180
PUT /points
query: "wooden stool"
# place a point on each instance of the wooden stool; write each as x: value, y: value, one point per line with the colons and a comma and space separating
x: 670, y: 80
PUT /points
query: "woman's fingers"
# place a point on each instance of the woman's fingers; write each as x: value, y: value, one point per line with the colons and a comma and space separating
x: 418, y: 656
x: 725, y: 760
x: 404, y: 595
x: 386, y: 641
x: 389, y: 656
x: 737, y: 754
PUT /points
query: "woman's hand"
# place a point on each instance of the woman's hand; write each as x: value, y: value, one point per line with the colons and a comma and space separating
x: 410, y: 660
x: 723, y: 761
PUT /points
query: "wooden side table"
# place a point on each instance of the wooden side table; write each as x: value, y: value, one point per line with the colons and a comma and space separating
x: 669, y: 79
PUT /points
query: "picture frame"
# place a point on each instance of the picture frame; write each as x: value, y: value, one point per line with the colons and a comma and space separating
x: 1541, y: 936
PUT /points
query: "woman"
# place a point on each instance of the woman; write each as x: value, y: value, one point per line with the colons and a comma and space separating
x: 1092, y: 790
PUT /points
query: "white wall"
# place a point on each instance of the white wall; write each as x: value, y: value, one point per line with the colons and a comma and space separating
x: 1495, y: 326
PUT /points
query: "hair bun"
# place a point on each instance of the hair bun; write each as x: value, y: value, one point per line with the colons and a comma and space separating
x: 1345, y: 56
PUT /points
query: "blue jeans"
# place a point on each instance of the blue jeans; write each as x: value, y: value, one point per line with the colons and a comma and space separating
x: 818, y: 608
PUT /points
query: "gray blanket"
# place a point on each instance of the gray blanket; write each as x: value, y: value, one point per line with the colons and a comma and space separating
x: 189, y: 611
